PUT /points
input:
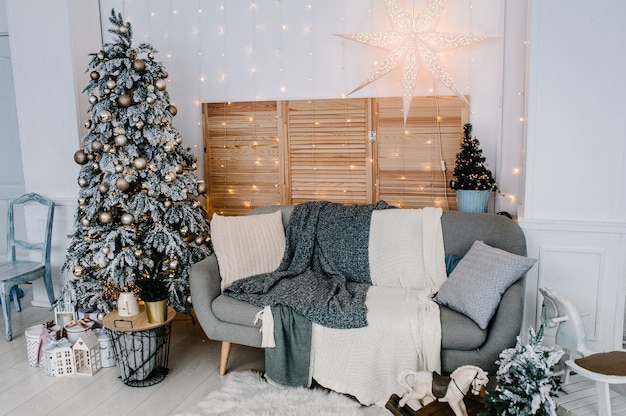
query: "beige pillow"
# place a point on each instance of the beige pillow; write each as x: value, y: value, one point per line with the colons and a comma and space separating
x: 247, y: 245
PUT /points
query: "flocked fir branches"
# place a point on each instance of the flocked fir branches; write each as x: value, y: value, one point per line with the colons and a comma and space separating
x: 139, y: 214
x: 526, y: 384
x: 470, y: 171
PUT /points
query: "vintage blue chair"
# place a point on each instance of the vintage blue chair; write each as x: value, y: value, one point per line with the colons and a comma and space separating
x: 14, y: 272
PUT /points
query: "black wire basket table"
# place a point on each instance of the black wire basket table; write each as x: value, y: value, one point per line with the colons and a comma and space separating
x: 141, y: 348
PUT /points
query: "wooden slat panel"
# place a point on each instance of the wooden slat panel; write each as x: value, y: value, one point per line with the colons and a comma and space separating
x: 409, y: 157
x: 327, y: 150
x: 242, y: 162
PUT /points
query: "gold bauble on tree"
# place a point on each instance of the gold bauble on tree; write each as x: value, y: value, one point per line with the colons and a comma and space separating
x: 127, y: 219
x: 121, y: 140
x: 105, y: 115
x: 172, y: 109
x: 78, y: 270
x: 103, y: 188
x: 201, y: 187
x: 140, y: 163
x: 96, y: 146
x: 105, y: 217
x: 160, y: 84
x: 124, y: 101
x: 95, y: 75
x: 122, y: 184
x: 80, y: 157
x: 139, y: 65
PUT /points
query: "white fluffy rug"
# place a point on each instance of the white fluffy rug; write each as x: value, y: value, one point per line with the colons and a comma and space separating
x: 248, y: 393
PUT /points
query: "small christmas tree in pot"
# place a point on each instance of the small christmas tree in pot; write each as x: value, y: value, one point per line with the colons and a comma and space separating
x: 473, y: 182
x: 139, y: 215
x: 154, y: 292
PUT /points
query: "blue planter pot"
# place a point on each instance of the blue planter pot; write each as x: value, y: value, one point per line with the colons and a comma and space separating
x: 472, y: 201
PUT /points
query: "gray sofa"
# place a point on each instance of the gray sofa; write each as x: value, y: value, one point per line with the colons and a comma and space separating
x: 463, y: 342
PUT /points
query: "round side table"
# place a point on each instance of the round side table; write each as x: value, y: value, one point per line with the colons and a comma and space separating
x: 141, y: 348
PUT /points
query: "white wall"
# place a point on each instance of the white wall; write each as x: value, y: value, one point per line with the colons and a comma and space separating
x: 575, y: 213
x: 50, y: 42
x: 218, y: 50
x: 12, y: 178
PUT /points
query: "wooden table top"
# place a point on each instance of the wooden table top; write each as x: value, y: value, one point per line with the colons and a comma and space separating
x: 139, y: 322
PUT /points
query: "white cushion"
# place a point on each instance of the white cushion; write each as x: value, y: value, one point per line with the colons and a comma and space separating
x: 247, y: 245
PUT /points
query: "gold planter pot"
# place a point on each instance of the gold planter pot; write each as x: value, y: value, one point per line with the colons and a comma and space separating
x: 157, y: 311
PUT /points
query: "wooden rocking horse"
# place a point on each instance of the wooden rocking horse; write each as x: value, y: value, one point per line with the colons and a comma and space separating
x: 452, y: 389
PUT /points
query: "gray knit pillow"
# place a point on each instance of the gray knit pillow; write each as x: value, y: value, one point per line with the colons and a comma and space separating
x: 478, y: 282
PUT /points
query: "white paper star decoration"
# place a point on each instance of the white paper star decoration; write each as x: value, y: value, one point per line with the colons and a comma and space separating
x: 413, y: 42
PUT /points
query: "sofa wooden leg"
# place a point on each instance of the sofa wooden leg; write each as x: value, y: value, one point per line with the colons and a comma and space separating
x: 224, y: 357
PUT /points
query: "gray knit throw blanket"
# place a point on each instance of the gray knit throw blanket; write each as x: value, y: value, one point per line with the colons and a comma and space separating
x: 324, y: 274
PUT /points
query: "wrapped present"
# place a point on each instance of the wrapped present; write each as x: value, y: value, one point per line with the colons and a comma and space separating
x: 36, y: 339
x: 75, y: 329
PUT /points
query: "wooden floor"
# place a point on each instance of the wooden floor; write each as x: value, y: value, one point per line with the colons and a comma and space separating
x: 580, y: 399
x: 193, y: 365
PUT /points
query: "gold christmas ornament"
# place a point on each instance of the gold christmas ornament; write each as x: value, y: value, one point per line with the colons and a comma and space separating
x: 150, y: 99
x: 105, y: 250
x: 169, y: 147
x: 172, y: 109
x: 201, y: 187
x: 88, y: 124
x: 93, y: 99
x: 111, y: 84
x: 85, y: 222
x: 139, y: 65
x: 106, y: 91
x: 80, y: 157
x: 160, y: 84
x: 96, y: 146
x: 167, y: 203
x: 78, y: 270
x: 105, y: 115
x: 124, y: 101
x: 184, y: 230
x: 179, y: 168
x: 139, y: 124
x: 95, y: 166
x: 119, y: 168
x: 127, y: 219
x: 82, y: 182
x: 122, y: 184
x: 103, y: 188
x: 199, y: 240
x: 123, y: 29
x: 140, y: 163
x: 173, y: 265
x: 94, y: 75
x: 150, y: 56
x: 138, y: 252
x: 105, y: 217
x: 170, y: 177
x: 121, y: 140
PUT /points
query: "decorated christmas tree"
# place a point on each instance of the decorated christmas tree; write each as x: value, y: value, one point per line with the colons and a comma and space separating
x: 526, y: 384
x: 139, y: 214
x: 470, y: 171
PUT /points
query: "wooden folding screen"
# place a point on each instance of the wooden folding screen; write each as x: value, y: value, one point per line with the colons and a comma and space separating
x: 343, y: 150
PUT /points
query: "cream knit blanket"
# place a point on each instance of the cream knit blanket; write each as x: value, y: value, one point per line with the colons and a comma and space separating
x: 407, y: 265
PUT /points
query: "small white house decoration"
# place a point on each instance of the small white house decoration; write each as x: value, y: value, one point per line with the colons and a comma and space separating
x: 59, y: 359
x: 87, y: 353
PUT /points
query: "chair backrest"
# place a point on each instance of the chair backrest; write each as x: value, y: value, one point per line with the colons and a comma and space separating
x: 560, y: 311
x: 44, y: 244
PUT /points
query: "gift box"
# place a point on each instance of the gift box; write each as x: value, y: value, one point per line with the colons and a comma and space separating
x: 75, y: 329
x: 37, y: 337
